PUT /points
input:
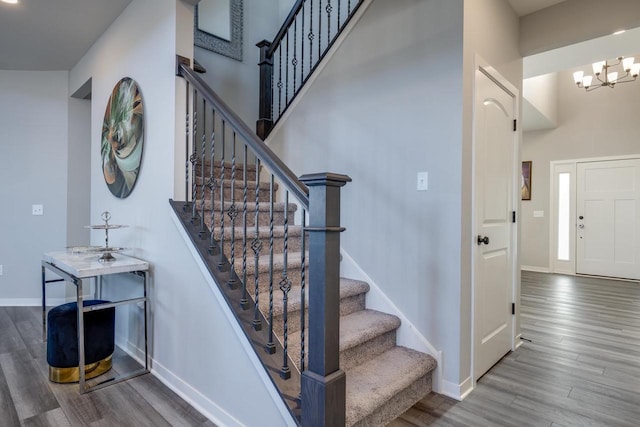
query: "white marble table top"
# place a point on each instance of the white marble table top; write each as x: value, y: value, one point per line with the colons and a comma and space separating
x: 83, y: 265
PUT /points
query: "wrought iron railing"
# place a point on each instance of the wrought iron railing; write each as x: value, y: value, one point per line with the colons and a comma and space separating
x: 279, y: 275
x: 287, y: 62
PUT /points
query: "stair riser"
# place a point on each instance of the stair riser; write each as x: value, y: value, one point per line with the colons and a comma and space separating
x: 294, y: 244
x: 263, y: 219
x: 367, y: 351
x: 239, y: 194
x: 397, y: 405
x: 293, y: 274
x: 251, y: 173
x: 347, y: 306
x: 356, y: 355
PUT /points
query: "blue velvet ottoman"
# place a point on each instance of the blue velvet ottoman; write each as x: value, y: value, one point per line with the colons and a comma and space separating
x: 62, y: 341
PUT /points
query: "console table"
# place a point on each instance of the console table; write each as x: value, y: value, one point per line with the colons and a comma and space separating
x: 76, y: 267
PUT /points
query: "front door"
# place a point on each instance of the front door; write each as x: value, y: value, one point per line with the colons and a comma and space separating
x: 495, y: 141
x: 608, y: 209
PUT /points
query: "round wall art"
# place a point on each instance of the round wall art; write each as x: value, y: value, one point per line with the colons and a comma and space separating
x: 122, y: 138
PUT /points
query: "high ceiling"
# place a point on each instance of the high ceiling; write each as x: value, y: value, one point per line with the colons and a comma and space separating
x: 52, y: 34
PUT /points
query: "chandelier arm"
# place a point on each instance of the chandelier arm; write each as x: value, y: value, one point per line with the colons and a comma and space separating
x: 592, y: 88
x: 625, y: 81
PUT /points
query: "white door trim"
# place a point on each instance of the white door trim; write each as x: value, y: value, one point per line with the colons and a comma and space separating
x: 483, y: 66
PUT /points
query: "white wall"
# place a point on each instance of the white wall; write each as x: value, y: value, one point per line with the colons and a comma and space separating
x: 540, y: 102
x: 573, y: 21
x: 595, y: 124
x: 387, y: 105
x: 193, y: 346
x: 78, y: 172
x: 237, y: 82
x: 33, y: 170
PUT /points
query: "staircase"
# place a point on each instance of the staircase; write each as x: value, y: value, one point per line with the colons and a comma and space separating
x: 383, y: 379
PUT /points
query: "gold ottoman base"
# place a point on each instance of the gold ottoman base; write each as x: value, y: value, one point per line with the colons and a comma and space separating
x: 72, y: 375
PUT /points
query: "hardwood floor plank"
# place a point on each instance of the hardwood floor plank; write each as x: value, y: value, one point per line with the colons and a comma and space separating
x: 30, y: 392
x: 55, y: 418
x: 8, y: 413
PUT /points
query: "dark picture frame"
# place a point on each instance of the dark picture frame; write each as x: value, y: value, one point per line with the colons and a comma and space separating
x: 525, y: 190
x: 231, y: 48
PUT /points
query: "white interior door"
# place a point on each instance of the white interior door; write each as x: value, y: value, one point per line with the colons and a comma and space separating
x: 607, y: 238
x: 494, y: 176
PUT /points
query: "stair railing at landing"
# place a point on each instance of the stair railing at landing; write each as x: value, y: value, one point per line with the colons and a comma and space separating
x: 230, y: 213
x: 305, y: 38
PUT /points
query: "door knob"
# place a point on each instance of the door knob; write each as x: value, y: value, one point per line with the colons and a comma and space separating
x: 482, y: 240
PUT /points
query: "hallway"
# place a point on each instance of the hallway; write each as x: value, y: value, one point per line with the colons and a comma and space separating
x: 579, y: 363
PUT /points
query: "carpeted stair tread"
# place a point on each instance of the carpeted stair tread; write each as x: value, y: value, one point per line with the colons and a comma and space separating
x: 264, y: 186
x: 294, y: 262
x: 362, y: 326
x: 263, y: 207
x: 263, y: 233
x: 356, y: 329
x: 348, y: 288
x: 371, y: 385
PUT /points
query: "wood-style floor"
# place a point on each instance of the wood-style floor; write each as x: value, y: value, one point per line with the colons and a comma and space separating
x: 28, y: 399
x: 579, y: 364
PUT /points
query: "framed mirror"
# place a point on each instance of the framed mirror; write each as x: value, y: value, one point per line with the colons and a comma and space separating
x: 218, y: 27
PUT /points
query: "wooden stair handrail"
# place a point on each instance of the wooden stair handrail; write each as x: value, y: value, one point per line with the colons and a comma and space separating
x: 267, y: 157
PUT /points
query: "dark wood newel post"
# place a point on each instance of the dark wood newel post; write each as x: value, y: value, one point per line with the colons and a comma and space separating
x: 323, y: 383
x: 265, y: 119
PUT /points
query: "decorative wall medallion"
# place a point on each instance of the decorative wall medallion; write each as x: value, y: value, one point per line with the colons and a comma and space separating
x: 122, y: 138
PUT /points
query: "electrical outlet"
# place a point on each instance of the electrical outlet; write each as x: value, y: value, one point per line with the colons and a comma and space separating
x: 1, y: 270
x: 423, y: 181
x: 37, y: 210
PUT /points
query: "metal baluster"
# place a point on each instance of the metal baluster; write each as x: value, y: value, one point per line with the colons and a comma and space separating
x: 186, y: 154
x: 211, y: 184
x: 256, y: 245
x: 302, y: 47
x: 286, y: 86
x: 244, y: 301
x: 233, y: 213
x: 311, y: 36
x: 279, y: 79
x: 303, y: 277
x: 194, y: 159
x: 224, y: 143
x: 270, y: 347
x: 285, y: 287
x: 319, y: 29
x: 203, y: 231
x: 329, y: 8
x: 338, y: 14
x: 294, y: 61
x: 349, y: 7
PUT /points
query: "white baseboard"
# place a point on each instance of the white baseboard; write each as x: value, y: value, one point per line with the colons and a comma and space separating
x: 193, y: 397
x: 407, y: 335
x: 35, y: 302
x: 534, y: 269
x: 457, y: 391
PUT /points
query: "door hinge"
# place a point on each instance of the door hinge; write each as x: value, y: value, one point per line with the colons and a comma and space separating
x: 513, y: 308
x: 515, y: 126
x: 513, y: 216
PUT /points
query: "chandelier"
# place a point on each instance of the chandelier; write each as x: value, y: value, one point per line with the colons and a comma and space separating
x: 605, y: 77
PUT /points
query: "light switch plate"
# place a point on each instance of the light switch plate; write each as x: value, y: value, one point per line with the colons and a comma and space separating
x: 1, y: 270
x: 423, y: 181
x: 37, y: 210
x: 538, y: 214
